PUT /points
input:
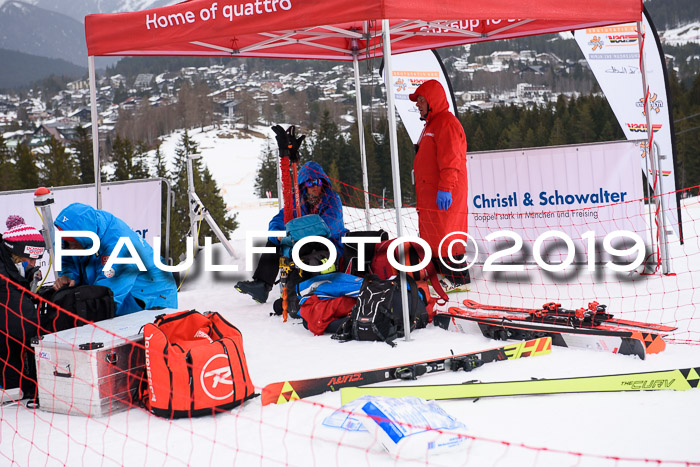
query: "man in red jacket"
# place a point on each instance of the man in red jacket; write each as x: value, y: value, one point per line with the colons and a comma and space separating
x: 440, y: 169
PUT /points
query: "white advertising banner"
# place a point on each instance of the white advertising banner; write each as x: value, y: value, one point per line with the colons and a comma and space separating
x: 571, y: 189
x: 410, y: 70
x: 136, y: 202
x: 612, y: 53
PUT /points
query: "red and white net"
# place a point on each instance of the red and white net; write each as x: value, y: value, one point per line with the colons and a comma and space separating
x: 618, y: 430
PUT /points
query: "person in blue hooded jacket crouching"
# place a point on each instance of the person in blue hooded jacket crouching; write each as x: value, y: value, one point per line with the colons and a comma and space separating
x: 133, y: 290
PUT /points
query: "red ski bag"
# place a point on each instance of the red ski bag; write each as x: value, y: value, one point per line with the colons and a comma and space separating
x: 195, y: 366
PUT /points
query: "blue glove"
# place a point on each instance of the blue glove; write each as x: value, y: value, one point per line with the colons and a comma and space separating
x: 444, y: 200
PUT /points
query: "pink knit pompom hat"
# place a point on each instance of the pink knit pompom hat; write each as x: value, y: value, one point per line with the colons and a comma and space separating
x: 23, y: 240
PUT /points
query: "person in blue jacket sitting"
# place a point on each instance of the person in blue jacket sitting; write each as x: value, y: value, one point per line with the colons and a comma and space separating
x: 317, y: 197
x: 133, y: 290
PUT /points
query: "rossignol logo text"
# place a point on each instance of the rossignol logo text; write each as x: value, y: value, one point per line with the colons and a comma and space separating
x: 149, y: 375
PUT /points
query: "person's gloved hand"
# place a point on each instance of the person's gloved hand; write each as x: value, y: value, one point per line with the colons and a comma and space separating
x: 282, y: 140
x: 444, y: 200
x: 294, y: 143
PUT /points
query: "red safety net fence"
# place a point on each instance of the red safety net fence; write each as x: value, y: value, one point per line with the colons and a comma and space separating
x: 83, y: 415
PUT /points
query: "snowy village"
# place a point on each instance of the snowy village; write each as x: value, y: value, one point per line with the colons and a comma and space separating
x: 287, y: 232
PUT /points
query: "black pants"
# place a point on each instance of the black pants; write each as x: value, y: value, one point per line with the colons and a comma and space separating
x: 457, y: 277
x: 268, y: 266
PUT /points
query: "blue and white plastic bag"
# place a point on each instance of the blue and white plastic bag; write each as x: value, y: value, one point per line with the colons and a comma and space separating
x: 410, y: 427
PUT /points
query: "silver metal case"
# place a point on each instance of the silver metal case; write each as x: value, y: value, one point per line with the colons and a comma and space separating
x: 93, y: 370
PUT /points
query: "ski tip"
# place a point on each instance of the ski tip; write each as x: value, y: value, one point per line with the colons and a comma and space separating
x: 279, y: 393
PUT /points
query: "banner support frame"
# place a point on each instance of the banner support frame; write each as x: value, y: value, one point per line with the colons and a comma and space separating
x: 652, y: 157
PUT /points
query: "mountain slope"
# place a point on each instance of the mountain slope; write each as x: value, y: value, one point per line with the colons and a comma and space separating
x: 78, y: 9
x: 31, y: 30
x: 22, y: 69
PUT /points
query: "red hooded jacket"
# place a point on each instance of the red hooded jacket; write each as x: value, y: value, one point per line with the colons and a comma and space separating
x: 440, y: 164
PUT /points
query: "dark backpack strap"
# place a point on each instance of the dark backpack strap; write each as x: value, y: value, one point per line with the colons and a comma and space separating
x: 344, y: 332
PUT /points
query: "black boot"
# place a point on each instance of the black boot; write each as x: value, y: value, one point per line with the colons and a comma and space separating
x: 259, y: 290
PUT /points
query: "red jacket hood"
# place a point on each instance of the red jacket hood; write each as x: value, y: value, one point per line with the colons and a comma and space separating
x: 434, y: 93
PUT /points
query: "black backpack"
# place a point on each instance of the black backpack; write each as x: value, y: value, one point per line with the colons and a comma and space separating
x: 378, y: 314
x: 91, y: 303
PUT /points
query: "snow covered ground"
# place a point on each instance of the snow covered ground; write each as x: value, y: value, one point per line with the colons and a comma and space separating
x: 617, y: 429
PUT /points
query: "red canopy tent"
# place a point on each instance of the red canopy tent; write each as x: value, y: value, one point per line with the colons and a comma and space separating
x: 335, y: 30
x: 325, y: 30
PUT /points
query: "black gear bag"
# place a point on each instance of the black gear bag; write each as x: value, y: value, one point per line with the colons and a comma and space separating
x: 90, y: 303
x: 378, y: 313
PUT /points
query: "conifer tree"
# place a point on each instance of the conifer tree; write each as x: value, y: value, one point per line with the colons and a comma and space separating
x: 477, y: 142
x: 379, y: 140
x: 27, y: 172
x: 407, y: 153
x: 140, y: 166
x: 59, y: 166
x: 530, y: 141
x: 373, y: 170
x: 8, y: 179
x: 558, y: 135
x: 82, y: 146
x: 542, y: 133
x: 159, y: 166
x: 327, y: 144
x: 266, y: 178
x: 122, y: 154
x: 351, y: 170
x: 491, y: 126
x: 128, y: 160
x: 584, y: 125
x: 208, y: 192
x: 511, y: 137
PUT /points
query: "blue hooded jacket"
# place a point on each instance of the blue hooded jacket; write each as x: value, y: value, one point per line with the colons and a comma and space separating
x: 330, y: 208
x: 153, y: 287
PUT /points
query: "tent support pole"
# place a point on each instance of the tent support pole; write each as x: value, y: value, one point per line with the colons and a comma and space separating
x: 95, y: 132
x: 653, y: 161
x: 395, y: 174
x: 361, y: 137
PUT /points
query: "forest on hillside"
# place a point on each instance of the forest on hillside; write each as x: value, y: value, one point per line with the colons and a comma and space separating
x: 584, y: 119
x: 670, y: 14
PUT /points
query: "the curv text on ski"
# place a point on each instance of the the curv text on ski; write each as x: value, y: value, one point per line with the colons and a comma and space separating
x: 285, y: 391
x: 678, y: 380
